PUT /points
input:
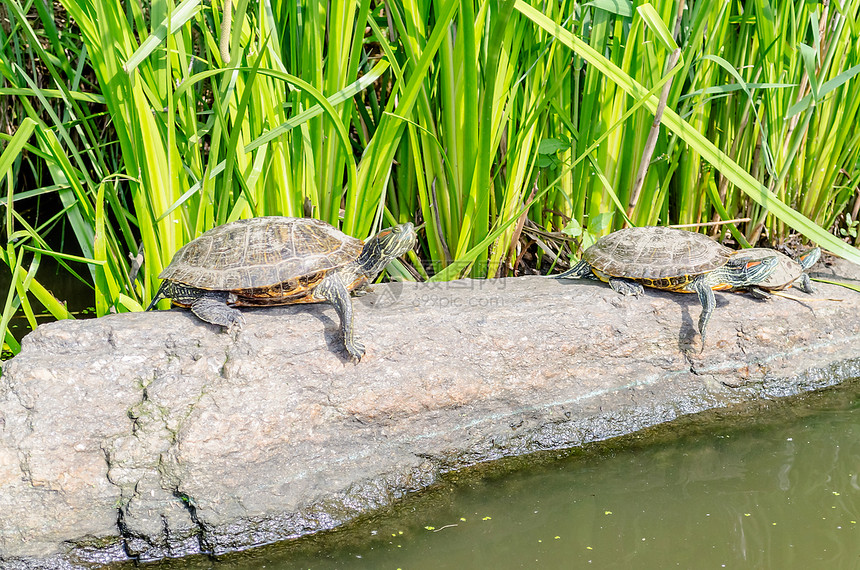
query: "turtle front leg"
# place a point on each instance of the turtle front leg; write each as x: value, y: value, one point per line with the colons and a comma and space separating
x: 213, y: 309
x: 759, y: 293
x: 708, y: 301
x: 804, y: 283
x: 332, y: 289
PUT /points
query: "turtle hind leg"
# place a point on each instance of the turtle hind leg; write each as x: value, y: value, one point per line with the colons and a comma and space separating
x: 332, y: 289
x: 214, y: 310
x: 626, y: 286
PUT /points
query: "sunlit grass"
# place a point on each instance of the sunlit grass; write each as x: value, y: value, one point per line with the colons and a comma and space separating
x: 487, y: 121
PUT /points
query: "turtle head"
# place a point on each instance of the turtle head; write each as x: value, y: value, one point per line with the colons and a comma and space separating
x: 385, y: 246
x: 741, y: 273
x: 808, y: 258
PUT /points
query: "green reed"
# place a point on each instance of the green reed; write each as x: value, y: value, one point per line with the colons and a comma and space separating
x: 155, y: 122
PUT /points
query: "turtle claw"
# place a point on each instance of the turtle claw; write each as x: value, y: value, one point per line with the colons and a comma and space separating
x: 215, y: 311
x: 355, y: 350
x: 689, y: 347
x: 237, y: 323
x: 626, y: 287
x: 362, y: 290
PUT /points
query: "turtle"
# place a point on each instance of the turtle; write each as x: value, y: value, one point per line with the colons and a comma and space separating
x: 672, y: 260
x: 789, y: 272
x: 275, y: 260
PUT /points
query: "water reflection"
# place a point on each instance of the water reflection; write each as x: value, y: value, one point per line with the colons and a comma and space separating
x: 772, y: 488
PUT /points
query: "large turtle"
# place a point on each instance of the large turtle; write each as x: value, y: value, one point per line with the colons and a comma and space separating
x: 672, y: 260
x: 274, y: 260
x: 788, y: 273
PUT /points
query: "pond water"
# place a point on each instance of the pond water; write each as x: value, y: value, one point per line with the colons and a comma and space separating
x: 76, y: 294
x: 774, y: 487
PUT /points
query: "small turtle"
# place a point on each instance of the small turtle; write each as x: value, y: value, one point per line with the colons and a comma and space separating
x: 672, y: 260
x: 274, y: 260
x: 788, y: 273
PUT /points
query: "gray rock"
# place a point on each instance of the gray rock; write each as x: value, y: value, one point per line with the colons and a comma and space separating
x: 151, y: 435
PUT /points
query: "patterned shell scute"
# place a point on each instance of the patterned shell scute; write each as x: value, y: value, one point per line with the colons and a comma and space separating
x: 787, y: 270
x: 655, y: 252
x: 261, y: 252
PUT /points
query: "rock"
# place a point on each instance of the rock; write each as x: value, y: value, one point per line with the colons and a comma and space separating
x: 151, y: 435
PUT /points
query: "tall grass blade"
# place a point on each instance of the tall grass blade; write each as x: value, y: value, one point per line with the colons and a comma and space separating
x: 729, y: 168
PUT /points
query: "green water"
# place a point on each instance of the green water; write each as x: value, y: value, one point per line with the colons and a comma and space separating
x: 775, y: 487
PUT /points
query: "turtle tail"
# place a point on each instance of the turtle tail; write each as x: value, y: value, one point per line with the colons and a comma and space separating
x: 581, y: 270
x: 163, y: 293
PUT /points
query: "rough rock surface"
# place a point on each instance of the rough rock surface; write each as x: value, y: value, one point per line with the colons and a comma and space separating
x: 154, y: 435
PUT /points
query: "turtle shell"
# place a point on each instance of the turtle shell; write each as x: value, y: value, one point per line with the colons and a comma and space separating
x: 787, y: 270
x: 665, y: 258
x: 269, y: 256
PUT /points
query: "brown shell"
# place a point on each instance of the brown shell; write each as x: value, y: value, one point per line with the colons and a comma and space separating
x: 787, y: 270
x: 270, y: 256
x: 657, y: 256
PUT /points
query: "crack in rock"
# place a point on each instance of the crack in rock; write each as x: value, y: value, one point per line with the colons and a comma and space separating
x: 154, y: 518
